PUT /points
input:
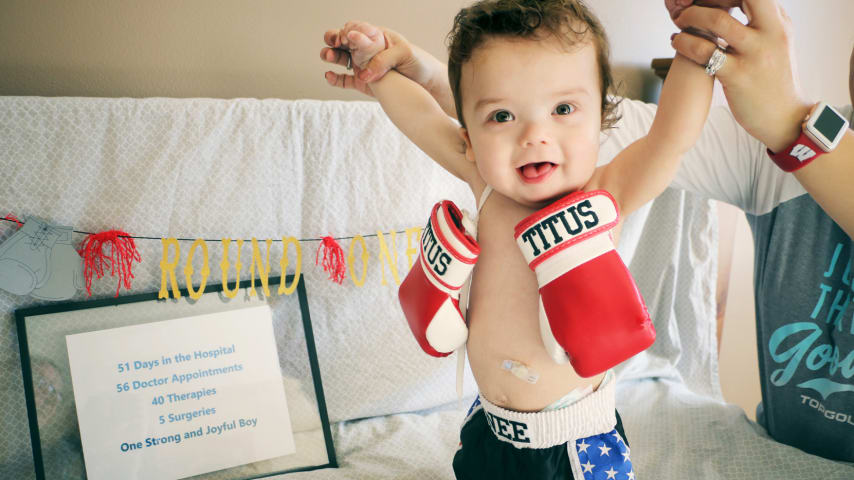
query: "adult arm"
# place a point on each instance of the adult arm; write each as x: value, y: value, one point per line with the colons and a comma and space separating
x: 760, y: 84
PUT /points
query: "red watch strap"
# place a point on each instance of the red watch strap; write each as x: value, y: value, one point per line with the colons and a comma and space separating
x: 796, y: 155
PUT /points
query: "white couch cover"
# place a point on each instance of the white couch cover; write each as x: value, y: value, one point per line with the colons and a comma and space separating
x: 248, y: 168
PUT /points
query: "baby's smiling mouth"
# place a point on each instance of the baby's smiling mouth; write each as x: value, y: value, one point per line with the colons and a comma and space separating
x: 535, y: 172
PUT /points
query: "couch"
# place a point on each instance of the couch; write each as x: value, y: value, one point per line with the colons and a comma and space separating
x: 268, y: 168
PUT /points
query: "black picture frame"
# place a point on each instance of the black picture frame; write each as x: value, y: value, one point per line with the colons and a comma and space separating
x: 22, y: 315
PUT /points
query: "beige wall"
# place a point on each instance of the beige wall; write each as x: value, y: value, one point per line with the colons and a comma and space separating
x: 189, y: 48
x: 267, y: 48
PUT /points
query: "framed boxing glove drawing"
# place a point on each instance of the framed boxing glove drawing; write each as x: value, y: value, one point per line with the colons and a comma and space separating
x: 136, y: 387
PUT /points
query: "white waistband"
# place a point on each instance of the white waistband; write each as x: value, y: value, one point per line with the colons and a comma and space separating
x: 592, y: 415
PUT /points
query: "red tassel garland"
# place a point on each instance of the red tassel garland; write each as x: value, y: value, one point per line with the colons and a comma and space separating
x: 333, y: 259
x: 13, y: 218
x: 120, y: 260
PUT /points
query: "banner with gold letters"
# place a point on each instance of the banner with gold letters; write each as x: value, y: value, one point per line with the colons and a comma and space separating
x: 43, y: 260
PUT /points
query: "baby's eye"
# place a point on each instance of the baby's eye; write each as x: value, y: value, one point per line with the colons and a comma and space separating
x: 502, y: 116
x: 564, y: 109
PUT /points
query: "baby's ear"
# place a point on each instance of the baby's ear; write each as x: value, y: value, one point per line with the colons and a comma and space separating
x: 464, y: 134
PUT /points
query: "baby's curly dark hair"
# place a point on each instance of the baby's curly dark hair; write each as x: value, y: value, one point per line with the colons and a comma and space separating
x: 569, y: 21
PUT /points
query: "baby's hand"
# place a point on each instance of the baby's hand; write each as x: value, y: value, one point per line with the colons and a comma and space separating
x: 363, y: 40
x: 675, y: 7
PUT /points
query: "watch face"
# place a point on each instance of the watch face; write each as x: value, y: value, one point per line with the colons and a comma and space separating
x: 829, y: 123
x: 826, y: 127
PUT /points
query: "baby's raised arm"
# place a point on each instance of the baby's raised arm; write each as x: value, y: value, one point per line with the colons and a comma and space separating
x: 410, y: 60
x: 646, y: 167
x: 410, y: 107
x: 421, y: 119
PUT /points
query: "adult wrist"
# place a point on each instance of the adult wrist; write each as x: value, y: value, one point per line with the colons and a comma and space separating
x: 422, y: 67
x: 439, y: 87
x: 791, y: 128
x: 822, y: 130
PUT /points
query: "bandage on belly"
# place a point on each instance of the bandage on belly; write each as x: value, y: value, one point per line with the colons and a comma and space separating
x: 520, y: 370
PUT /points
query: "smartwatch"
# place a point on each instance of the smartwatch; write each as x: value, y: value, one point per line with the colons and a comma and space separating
x: 822, y: 132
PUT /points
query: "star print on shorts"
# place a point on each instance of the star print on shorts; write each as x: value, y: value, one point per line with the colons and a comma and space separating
x: 605, y: 457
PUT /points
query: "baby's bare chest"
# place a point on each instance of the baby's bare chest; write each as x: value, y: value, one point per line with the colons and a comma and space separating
x: 504, y: 290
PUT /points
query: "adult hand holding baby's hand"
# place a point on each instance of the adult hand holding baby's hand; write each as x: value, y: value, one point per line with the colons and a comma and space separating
x: 758, y: 76
x: 371, y: 59
x: 352, y: 46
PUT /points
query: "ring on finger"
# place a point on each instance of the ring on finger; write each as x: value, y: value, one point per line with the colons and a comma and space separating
x: 349, y: 62
x: 716, y: 61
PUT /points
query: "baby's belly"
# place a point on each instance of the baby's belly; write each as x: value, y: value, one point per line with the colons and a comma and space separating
x: 504, y: 325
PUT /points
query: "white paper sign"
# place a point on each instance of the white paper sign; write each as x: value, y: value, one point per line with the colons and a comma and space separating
x: 177, y: 398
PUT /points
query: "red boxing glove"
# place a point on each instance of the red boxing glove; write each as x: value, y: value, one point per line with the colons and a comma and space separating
x: 590, y: 307
x: 430, y: 293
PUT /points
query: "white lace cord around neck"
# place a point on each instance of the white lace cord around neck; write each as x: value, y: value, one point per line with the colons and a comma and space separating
x: 470, y: 226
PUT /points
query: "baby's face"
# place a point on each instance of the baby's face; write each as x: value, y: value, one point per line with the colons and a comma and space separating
x: 533, y: 114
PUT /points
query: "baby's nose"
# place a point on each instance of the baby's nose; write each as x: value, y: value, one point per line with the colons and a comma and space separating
x: 534, y: 134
